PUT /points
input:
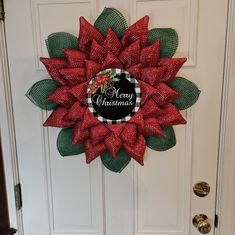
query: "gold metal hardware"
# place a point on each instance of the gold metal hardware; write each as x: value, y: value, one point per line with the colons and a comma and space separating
x: 1, y: 10
x: 201, y: 189
x: 201, y: 222
x: 18, y: 197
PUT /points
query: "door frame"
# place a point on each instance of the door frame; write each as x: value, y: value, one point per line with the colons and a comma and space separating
x: 225, y: 202
x: 226, y: 164
x: 7, y: 136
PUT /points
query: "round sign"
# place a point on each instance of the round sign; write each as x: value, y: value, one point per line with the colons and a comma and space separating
x: 113, y: 96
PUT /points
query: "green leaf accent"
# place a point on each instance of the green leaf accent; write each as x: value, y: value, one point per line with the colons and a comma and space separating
x: 118, y: 164
x: 162, y: 143
x: 40, y: 91
x: 168, y: 40
x: 116, y: 79
x: 188, y: 90
x: 64, y: 143
x: 111, y: 18
x: 56, y: 42
x: 102, y: 89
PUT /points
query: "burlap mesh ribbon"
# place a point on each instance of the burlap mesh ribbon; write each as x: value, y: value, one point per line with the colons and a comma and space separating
x: 40, y: 91
x: 111, y: 44
x: 56, y: 42
x: 111, y: 18
x: 168, y: 38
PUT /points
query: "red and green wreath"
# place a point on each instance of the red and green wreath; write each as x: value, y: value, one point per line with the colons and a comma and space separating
x: 146, y: 55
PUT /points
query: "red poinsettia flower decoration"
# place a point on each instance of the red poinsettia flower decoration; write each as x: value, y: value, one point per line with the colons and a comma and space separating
x: 105, y: 46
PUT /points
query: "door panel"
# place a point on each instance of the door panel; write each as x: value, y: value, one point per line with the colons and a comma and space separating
x: 75, y: 207
x: 162, y: 190
x: 47, y: 18
x: 181, y: 15
x: 64, y: 195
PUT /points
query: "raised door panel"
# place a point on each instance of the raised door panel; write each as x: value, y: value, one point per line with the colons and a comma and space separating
x: 181, y: 15
x: 162, y: 189
x: 57, y: 16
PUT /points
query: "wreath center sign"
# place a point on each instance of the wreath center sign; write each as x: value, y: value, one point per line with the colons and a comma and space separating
x: 113, y: 96
x: 114, y: 90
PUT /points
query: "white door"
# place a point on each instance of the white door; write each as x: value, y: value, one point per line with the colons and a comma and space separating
x: 65, y: 195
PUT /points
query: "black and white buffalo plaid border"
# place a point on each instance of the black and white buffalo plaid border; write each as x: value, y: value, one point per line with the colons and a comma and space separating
x: 131, y: 79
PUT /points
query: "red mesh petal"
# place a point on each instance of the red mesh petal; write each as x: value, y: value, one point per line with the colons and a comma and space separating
x: 74, y: 76
x: 172, y: 65
x: 135, y: 71
x: 79, y: 91
x: 98, y: 133
x: 87, y: 34
x: 112, y: 43
x: 97, y: 52
x: 93, y: 151
x: 57, y: 118
x: 150, y: 55
x: 111, y: 61
x: 116, y: 129
x: 165, y: 94
x: 92, y: 69
x: 138, y: 119
x: 78, y: 134
x: 62, y: 96
x: 153, y: 75
x: 53, y: 65
x: 76, y: 111
x: 89, y: 120
x: 137, y: 151
x: 138, y: 30
x: 147, y: 91
x: 129, y: 134
x: 113, y: 144
x: 131, y: 55
x: 171, y: 116
x: 75, y: 58
x: 151, y: 109
x: 152, y: 128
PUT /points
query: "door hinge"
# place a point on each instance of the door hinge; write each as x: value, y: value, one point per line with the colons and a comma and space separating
x: 2, y: 13
x: 216, y: 221
x: 18, y: 197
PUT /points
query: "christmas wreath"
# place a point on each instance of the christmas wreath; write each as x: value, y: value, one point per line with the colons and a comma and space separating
x: 114, y: 89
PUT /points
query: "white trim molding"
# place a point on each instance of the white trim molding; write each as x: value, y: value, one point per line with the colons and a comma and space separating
x: 226, y: 170
x: 7, y: 136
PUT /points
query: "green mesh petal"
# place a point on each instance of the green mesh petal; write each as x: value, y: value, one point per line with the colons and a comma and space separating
x: 162, y: 143
x: 188, y: 90
x: 64, y: 145
x: 168, y: 41
x: 40, y: 91
x: 56, y: 42
x: 118, y: 164
x: 111, y: 18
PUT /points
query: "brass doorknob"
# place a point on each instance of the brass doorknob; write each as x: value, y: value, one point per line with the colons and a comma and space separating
x: 201, y: 222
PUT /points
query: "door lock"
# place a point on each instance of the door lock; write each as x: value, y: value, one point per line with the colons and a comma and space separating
x: 201, y: 189
x: 201, y: 222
